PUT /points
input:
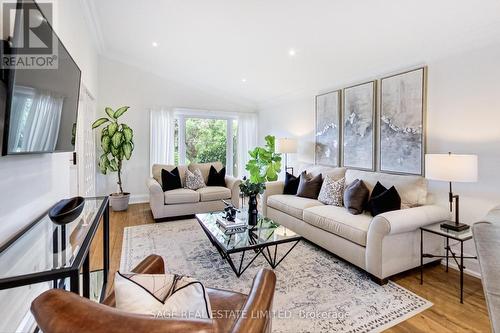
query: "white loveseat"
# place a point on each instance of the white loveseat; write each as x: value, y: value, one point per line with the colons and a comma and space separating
x: 183, y: 201
x: 383, y: 245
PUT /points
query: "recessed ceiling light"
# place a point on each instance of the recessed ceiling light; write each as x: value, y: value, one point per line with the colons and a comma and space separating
x: 243, y: 80
x: 155, y: 44
x: 292, y: 52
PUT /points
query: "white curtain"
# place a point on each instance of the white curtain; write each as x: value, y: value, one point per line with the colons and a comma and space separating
x: 36, y: 120
x: 247, y: 140
x: 161, y: 144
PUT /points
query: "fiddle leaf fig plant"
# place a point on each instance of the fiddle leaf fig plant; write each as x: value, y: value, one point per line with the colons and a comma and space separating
x: 116, y: 142
x: 265, y: 163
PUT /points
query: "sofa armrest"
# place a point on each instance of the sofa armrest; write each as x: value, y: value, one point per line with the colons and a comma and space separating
x: 406, y: 220
x: 156, y: 197
x: 154, y: 187
x: 234, y: 185
x: 390, y: 243
x: 272, y: 188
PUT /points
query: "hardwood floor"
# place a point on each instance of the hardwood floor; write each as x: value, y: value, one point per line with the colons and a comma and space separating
x: 441, y: 288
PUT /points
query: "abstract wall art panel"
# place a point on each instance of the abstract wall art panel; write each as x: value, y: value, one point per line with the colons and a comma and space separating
x: 358, y: 130
x: 327, y: 128
x: 402, y: 122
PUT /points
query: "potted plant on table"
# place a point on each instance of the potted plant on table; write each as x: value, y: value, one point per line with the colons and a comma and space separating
x: 251, y: 190
x: 264, y: 165
x: 117, y: 144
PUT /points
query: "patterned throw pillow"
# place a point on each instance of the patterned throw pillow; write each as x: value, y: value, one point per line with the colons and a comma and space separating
x: 162, y: 296
x: 332, y: 191
x: 194, y: 180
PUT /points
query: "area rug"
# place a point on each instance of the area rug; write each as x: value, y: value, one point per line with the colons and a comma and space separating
x: 315, y: 291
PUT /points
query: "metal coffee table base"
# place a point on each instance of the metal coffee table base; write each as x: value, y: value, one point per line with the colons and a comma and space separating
x: 264, y: 250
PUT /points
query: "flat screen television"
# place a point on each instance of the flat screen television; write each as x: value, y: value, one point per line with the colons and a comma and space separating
x: 40, y: 105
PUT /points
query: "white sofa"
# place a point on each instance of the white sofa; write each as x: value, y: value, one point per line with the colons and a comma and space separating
x: 183, y: 201
x: 383, y: 245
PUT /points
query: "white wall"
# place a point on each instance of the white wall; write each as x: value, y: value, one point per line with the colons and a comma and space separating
x: 30, y: 184
x: 463, y: 117
x: 122, y: 84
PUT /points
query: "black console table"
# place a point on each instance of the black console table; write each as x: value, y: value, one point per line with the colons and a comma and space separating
x: 460, y: 236
x: 55, y: 252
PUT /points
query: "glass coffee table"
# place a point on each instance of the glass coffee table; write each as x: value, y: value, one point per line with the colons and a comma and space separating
x: 263, y: 238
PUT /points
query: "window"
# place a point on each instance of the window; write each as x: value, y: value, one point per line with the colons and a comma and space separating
x: 201, y: 139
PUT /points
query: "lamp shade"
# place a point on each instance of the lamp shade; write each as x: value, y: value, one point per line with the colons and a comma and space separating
x: 451, y: 167
x: 286, y: 145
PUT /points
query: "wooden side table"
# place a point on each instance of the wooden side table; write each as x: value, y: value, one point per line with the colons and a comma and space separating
x: 460, y: 236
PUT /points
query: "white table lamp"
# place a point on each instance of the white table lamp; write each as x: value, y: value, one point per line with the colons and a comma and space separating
x: 452, y: 168
x: 286, y: 146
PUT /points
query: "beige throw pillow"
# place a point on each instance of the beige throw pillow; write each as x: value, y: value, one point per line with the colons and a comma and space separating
x: 332, y: 191
x: 162, y: 296
x: 194, y: 180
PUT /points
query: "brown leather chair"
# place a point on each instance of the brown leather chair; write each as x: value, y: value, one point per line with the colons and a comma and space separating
x: 60, y: 311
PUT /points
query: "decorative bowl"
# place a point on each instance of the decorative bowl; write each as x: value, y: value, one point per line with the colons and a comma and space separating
x: 67, y: 210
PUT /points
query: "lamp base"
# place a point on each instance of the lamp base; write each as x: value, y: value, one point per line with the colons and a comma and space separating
x: 455, y: 226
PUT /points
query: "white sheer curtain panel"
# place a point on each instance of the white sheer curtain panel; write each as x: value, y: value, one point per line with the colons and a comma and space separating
x: 247, y: 140
x: 161, y: 145
x: 37, y: 117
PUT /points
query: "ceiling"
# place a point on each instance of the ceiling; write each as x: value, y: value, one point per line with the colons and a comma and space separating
x: 218, y: 44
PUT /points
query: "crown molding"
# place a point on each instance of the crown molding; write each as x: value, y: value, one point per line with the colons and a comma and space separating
x: 91, y: 20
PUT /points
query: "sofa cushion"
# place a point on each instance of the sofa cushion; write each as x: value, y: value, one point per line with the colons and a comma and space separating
x: 180, y: 196
x: 412, y: 189
x: 338, y: 221
x: 291, y: 204
x: 212, y: 193
x: 205, y: 168
x: 314, y: 170
x: 156, y: 171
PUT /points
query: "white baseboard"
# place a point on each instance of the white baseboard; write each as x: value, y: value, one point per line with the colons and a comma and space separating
x: 453, y: 265
x: 139, y: 198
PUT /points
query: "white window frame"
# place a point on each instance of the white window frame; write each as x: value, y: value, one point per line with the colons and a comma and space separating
x: 182, y: 114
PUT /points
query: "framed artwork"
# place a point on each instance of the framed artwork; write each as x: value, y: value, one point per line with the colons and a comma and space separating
x: 402, y: 107
x: 328, y: 129
x: 358, y: 126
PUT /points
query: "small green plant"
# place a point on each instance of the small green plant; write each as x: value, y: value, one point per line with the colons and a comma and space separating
x: 248, y: 188
x: 116, y: 142
x: 265, y: 164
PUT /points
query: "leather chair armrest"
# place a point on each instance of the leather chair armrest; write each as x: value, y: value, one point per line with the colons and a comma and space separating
x: 256, y: 313
x: 234, y: 185
x: 152, y: 264
x: 60, y: 311
x: 272, y: 188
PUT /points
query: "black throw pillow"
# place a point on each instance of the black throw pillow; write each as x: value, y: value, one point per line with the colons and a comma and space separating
x: 309, y: 187
x: 291, y: 184
x: 216, y: 178
x: 384, y: 200
x: 170, y: 180
x: 356, y: 197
